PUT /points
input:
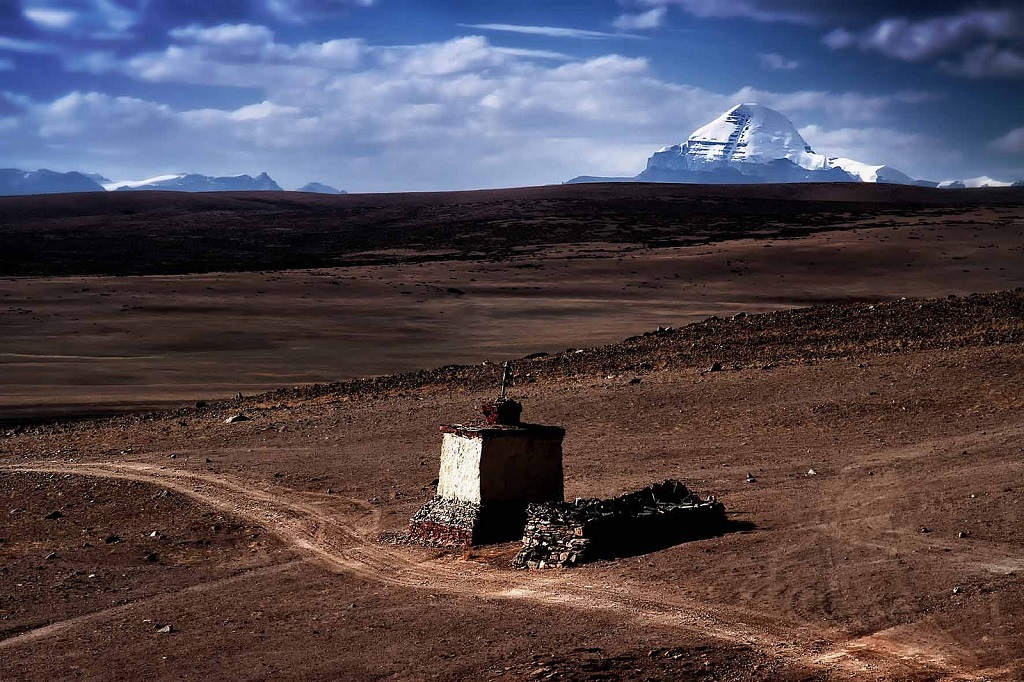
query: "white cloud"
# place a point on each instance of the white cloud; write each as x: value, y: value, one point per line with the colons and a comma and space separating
x: 652, y: 18
x: 454, y: 114
x: 547, y: 31
x: 227, y: 35
x: 1010, y: 143
x: 93, y: 18
x: 303, y: 11
x: 776, y: 62
x: 746, y: 9
x: 49, y: 18
x: 25, y: 46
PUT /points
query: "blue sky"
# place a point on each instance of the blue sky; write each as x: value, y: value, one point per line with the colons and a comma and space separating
x: 385, y: 95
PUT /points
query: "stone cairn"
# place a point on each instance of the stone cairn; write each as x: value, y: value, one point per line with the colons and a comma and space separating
x: 490, y: 471
x: 562, y: 534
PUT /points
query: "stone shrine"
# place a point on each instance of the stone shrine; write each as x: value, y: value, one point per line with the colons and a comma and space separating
x: 489, y: 472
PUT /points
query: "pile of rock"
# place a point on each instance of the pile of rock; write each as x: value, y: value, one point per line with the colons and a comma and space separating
x: 559, y: 534
x: 444, y: 522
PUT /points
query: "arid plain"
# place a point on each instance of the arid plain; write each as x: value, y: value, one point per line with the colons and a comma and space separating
x: 258, y: 542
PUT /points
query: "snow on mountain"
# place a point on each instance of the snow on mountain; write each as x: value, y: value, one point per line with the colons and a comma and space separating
x: 983, y: 181
x: 191, y: 182
x: 750, y: 136
x: 111, y: 186
x: 320, y: 188
x: 747, y: 133
x: 752, y: 143
x: 16, y: 182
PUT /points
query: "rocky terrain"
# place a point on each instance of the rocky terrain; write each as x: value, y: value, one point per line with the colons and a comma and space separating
x: 866, y: 447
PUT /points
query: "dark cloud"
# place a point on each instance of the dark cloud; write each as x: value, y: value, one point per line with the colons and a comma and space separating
x: 977, y: 43
x: 974, y: 39
x: 813, y: 12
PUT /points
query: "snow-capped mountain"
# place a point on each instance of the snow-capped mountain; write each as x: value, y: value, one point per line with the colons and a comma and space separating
x: 15, y: 182
x: 320, y: 188
x: 752, y: 143
x: 983, y: 181
x: 191, y: 182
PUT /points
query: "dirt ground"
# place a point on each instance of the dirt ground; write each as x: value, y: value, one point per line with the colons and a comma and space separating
x: 174, y: 545
x: 99, y: 345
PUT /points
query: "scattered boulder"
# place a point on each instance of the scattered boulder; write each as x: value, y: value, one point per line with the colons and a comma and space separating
x: 750, y: 478
x: 165, y: 630
x: 715, y: 367
x: 812, y: 472
x: 235, y: 418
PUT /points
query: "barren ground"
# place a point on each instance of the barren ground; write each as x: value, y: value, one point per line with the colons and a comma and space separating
x: 266, y: 562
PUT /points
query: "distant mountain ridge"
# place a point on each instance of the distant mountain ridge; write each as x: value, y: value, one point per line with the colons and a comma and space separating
x: 193, y: 182
x: 15, y: 182
x: 751, y: 143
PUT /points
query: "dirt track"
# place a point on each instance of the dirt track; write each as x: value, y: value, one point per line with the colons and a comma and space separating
x: 348, y: 543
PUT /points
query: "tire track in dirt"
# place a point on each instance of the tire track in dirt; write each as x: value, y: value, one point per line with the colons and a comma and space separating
x: 345, y: 542
x: 56, y: 628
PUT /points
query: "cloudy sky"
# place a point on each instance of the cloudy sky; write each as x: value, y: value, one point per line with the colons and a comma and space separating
x: 381, y: 95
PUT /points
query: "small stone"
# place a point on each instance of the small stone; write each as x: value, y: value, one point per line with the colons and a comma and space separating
x: 152, y: 556
x: 235, y: 418
x: 166, y: 630
x: 209, y: 461
x: 963, y: 534
x: 54, y: 515
x: 112, y: 539
x: 635, y: 380
x: 51, y: 556
x: 739, y: 316
x: 925, y: 529
x: 957, y: 590
x: 201, y: 403
x: 751, y: 479
x: 812, y: 472
x: 715, y: 367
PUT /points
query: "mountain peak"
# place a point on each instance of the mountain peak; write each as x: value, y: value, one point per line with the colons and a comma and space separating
x: 320, y: 188
x: 746, y: 133
x: 754, y: 143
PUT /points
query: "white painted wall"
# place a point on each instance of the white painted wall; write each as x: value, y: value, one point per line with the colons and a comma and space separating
x: 460, y: 468
x: 508, y: 466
